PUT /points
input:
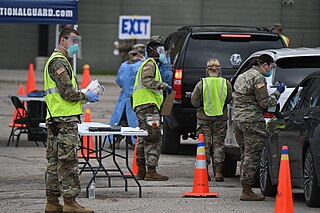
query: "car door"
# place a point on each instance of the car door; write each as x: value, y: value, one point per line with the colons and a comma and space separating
x: 285, y: 131
x: 310, y: 130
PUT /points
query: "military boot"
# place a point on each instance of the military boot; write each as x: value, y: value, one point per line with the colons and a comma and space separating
x: 53, y: 205
x: 141, y: 174
x: 249, y: 195
x: 218, y: 173
x: 71, y: 206
x: 152, y: 175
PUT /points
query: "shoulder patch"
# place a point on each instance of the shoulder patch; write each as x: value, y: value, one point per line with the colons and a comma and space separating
x: 260, y: 85
x: 60, y: 70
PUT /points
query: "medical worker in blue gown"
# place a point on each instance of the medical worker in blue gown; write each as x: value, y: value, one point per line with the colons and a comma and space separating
x: 123, y: 113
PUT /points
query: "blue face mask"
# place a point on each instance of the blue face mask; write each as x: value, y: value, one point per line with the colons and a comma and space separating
x: 73, y: 49
x: 268, y: 74
x: 162, y: 58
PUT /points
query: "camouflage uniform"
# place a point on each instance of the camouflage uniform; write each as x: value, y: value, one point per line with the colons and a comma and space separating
x: 148, y: 148
x: 214, y: 128
x: 251, y: 100
x: 62, y: 175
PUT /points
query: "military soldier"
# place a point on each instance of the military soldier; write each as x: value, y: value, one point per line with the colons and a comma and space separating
x: 147, y: 98
x: 164, y: 64
x: 124, y: 48
x: 251, y: 100
x: 211, y: 95
x: 63, y: 99
x: 277, y: 28
x: 123, y: 113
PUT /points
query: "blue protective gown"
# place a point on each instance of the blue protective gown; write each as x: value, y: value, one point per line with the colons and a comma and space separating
x: 125, y: 79
x: 166, y: 71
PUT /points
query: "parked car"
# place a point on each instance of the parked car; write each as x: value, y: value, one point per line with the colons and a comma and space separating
x: 190, y: 47
x: 298, y: 127
x: 292, y: 65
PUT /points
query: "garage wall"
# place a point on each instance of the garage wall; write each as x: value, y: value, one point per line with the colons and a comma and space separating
x: 98, y: 24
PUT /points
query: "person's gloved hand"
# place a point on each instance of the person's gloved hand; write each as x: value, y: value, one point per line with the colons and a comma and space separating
x: 92, y: 97
x: 169, y: 89
x: 281, y: 87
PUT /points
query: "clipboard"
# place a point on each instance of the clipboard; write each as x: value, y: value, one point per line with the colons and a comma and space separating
x: 168, y: 103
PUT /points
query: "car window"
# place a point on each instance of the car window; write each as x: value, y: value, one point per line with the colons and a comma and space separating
x: 230, y: 52
x: 296, y: 97
x: 292, y: 70
x: 312, y: 97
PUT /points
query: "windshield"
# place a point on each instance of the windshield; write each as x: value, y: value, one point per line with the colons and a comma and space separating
x: 231, y: 52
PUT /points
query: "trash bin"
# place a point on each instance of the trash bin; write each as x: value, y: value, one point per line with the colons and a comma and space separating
x: 38, y: 111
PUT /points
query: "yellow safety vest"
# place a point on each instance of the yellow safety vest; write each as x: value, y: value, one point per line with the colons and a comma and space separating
x: 285, y: 39
x: 58, y: 106
x: 142, y: 95
x: 214, y: 92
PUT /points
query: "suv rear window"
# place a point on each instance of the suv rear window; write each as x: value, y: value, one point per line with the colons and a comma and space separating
x: 201, y: 47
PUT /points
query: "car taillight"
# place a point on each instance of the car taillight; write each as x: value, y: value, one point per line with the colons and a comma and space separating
x: 268, y: 115
x: 235, y: 36
x: 177, y: 84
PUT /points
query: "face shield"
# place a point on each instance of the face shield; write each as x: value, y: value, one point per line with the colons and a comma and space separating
x: 75, y: 47
x: 273, y: 67
x: 162, y: 54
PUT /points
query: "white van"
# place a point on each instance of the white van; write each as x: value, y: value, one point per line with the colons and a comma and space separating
x: 292, y: 65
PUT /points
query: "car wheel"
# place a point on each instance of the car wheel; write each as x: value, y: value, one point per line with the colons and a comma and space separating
x: 266, y: 186
x: 229, y: 167
x: 170, y: 139
x: 310, y: 184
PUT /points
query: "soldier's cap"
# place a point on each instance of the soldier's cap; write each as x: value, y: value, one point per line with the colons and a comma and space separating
x: 213, y: 65
x: 157, y: 39
x: 139, y: 48
x: 277, y: 26
x: 133, y: 51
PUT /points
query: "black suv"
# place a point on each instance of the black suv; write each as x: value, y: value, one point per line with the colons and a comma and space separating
x: 190, y: 47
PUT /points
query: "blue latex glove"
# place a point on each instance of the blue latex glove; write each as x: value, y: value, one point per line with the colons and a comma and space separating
x: 281, y: 87
x: 92, y: 97
x: 169, y: 89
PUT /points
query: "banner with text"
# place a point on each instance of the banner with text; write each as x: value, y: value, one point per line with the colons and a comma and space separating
x: 39, y: 11
x: 134, y: 27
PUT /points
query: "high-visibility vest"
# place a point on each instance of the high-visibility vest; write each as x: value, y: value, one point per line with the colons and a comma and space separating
x: 58, y: 106
x: 285, y: 39
x: 214, y: 92
x: 142, y: 95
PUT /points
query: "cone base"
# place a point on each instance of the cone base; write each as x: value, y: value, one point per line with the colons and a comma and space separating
x: 194, y: 194
x: 128, y: 174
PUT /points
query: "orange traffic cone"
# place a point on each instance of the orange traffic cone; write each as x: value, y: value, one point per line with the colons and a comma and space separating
x: 200, y: 182
x: 134, y: 167
x: 31, y: 83
x: 284, y: 202
x: 87, y: 144
x: 85, y: 76
x: 20, y: 93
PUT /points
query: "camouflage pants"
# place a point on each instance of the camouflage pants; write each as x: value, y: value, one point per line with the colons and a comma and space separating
x: 62, y: 175
x: 251, y: 138
x: 214, y: 134
x: 149, y: 147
